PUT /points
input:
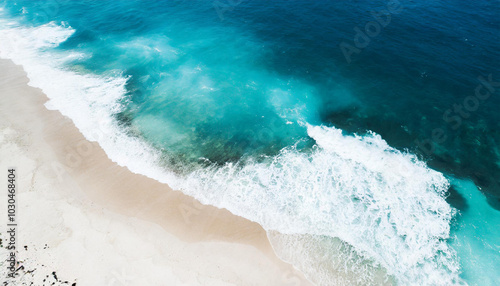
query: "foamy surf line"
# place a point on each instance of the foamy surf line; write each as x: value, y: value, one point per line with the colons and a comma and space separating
x: 385, y: 205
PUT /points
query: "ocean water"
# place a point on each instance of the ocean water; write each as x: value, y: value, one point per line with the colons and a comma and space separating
x: 363, y: 135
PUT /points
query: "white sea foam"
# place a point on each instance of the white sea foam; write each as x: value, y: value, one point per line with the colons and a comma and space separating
x: 386, y: 205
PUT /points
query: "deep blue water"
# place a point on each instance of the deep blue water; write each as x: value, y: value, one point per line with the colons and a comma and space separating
x: 215, y: 82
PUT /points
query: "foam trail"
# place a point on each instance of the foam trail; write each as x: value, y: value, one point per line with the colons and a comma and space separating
x: 387, y: 205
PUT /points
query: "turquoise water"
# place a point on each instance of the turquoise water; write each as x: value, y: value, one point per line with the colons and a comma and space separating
x: 285, y: 114
x: 476, y: 233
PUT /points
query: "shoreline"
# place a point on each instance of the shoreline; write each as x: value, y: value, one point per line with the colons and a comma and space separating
x: 107, y: 205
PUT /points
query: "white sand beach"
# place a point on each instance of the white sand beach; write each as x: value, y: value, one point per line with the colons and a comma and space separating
x: 83, y: 219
